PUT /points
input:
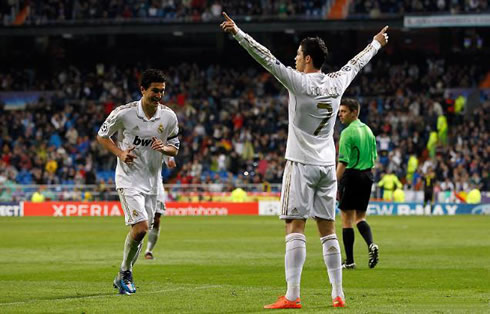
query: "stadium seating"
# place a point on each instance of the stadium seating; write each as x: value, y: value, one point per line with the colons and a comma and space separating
x: 245, y: 139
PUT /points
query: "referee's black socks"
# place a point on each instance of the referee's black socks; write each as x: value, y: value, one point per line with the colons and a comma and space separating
x: 365, y: 231
x: 348, y: 239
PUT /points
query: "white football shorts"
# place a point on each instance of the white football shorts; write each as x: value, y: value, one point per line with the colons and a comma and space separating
x: 137, y: 206
x: 308, y: 191
x: 162, y: 195
x: 160, y: 207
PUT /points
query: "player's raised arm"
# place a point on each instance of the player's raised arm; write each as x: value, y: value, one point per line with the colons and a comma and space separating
x: 288, y: 77
x: 350, y: 70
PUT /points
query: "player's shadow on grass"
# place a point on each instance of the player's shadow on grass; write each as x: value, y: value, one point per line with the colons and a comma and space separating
x: 82, y: 296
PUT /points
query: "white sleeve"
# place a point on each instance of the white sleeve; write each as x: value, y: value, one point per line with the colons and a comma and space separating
x: 111, y: 124
x: 349, y: 71
x: 173, y: 137
x: 166, y: 159
x: 291, y: 79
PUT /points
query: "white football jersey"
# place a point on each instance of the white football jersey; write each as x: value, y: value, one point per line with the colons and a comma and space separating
x: 162, y: 194
x: 314, y: 101
x: 134, y: 129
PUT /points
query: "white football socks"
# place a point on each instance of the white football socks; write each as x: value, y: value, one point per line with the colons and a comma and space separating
x: 294, y: 260
x: 135, y: 258
x: 331, y: 256
x: 152, y: 238
x: 131, y: 251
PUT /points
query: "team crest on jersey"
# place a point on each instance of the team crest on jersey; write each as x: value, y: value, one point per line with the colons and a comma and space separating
x: 135, y: 213
x: 160, y: 128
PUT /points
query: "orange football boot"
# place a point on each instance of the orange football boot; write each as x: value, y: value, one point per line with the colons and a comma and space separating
x: 338, y: 302
x: 283, y: 303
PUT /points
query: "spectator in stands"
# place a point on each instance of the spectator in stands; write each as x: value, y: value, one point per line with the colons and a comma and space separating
x: 399, y: 195
x: 38, y: 196
x: 447, y: 188
x: 389, y: 182
x: 429, y: 180
x: 238, y: 195
x: 474, y: 196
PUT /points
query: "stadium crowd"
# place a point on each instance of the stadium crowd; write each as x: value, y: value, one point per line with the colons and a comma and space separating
x: 56, y: 11
x: 234, y: 124
x: 380, y: 8
x: 45, y: 12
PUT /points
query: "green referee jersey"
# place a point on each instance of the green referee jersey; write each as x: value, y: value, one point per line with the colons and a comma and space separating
x: 357, y: 146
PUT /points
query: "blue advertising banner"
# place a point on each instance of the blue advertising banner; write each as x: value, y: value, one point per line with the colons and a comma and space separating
x: 11, y: 209
x: 400, y: 209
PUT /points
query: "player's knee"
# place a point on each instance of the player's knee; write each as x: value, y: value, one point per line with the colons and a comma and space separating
x: 139, y: 231
x: 346, y: 224
x: 360, y: 220
x: 347, y: 218
x: 139, y: 234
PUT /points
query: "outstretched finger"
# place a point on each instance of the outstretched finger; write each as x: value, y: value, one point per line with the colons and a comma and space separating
x: 131, y: 149
x: 384, y: 29
x: 227, y: 17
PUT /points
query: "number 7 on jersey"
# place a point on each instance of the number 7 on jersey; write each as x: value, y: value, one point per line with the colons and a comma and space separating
x: 328, y: 115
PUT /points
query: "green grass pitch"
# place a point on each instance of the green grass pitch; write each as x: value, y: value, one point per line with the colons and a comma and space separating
x: 235, y: 265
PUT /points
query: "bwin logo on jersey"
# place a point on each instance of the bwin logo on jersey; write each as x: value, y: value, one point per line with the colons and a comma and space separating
x: 142, y: 141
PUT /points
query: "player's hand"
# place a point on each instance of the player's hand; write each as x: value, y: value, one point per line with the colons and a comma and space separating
x: 228, y: 26
x: 127, y: 156
x: 382, y: 36
x: 171, y: 163
x: 157, y: 144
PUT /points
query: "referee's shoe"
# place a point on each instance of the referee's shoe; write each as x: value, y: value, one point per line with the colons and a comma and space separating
x: 373, y: 255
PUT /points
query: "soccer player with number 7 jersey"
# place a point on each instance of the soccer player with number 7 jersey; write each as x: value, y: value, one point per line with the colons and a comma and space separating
x: 309, y: 185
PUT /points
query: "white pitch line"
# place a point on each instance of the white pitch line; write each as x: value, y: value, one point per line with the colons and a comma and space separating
x: 107, y: 295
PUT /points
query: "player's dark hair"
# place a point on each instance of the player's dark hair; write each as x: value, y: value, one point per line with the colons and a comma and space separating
x: 315, y: 48
x: 152, y: 76
x: 352, y: 104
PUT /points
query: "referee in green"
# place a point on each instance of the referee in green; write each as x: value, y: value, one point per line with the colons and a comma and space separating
x: 357, y: 155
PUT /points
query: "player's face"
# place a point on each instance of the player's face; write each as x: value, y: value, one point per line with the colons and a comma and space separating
x: 346, y: 116
x: 153, y: 94
x: 300, y: 60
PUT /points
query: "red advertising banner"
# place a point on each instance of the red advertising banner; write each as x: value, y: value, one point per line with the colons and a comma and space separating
x: 211, y: 209
x: 64, y: 209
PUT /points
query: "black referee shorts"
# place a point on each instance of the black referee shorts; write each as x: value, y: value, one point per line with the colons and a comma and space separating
x: 355, y: 189
x: 428, y: 195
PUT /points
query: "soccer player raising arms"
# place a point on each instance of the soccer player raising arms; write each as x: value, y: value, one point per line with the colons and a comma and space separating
x: 309, y: 183
x: 146, y: 133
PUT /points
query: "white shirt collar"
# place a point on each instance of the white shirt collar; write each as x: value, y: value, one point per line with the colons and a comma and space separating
x: 142, y: 114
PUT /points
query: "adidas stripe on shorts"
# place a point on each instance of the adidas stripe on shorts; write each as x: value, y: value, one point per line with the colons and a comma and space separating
x: 308, y: 191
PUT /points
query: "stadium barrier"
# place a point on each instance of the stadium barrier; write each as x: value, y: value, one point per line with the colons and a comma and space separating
x: 262, y: 208
x: 64, y: 209
x: 11, y: 209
